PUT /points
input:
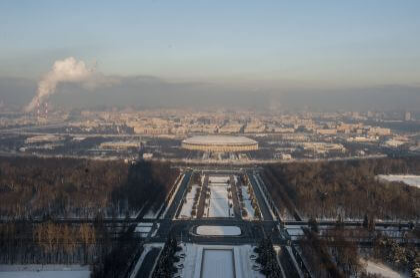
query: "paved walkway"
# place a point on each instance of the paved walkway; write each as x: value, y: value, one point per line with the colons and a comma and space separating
x: 202, y: 200
x: 265, y: 211
x: 236, y: 204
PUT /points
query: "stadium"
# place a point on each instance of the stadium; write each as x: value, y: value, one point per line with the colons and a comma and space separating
x: 213, y: 143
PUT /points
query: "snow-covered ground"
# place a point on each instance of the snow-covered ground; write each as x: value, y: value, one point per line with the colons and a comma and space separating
x: 378, y: 268
x: 187, y: 206
x: 218, y: 203
x: 155, y: 231
x: 247, y: 203
x: 218, y: 230
x: 150, y: 214
x: 219, y: 179
x: 217, y: 263
x: 294, y: 231
x: 205, y: 257
x: 143, y: 228
x: 44, y: 271
x: 412, y: 180
x: 235, y: 178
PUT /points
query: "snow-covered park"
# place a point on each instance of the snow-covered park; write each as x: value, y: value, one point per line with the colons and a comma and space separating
x: 143, y: 228
x: 218, y: 230
x: 247, y: 203
x: 295, y: 231
x: 381, y: 269
x: 413, y: 180
x: 219, y: 179
x: 44, y: 271
x: 189, y: 202
x: 219, y: 204
x: 218, y: 261
x: 218, y: 201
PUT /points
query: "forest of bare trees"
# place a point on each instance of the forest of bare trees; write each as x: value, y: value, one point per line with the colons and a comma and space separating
x: 49, y: 188
x: 347, y: 189
x: 50, y: 243
x: 33, y: 187
x: 335, y: 253
x: 36, y: 187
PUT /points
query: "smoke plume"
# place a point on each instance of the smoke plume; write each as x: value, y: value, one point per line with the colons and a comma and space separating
x: 67, y: 70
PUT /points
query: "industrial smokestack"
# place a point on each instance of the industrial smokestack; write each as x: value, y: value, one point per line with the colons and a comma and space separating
x: 67, y: 70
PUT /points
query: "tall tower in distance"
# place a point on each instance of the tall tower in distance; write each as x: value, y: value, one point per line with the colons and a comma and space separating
x: 407, y: 116
x: 46, y: 110
x: 38, y: 111
x: 41, y: 112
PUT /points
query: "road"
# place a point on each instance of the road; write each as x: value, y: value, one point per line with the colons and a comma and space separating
x: 265, y: 211
x: 251, y: 231
x: 165, y: 223
x: 178, y: 196
x: 202, y: 199
x: 236, y: 205
x: 148, y: 263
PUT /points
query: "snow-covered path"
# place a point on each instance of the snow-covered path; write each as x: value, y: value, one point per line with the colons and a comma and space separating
x: 378, y: 268
x: 219, y: 205
x: 218, y: 230
x: 205, y: 258
x: 412, y: 180
x: 218, y: 263
x: 44, y: 271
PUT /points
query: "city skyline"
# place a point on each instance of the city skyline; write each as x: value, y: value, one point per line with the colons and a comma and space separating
x: 234, y: 139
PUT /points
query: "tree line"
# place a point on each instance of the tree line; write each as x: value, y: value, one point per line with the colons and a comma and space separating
x: 61, y: 187
x: 267, y: 257
x: 335, y: 252
x: 349, y: 189
x: 165, y: 264
x: 49, y: 188
x: 49, y: 242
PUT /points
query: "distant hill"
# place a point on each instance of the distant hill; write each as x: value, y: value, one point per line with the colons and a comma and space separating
x: 148, y: 91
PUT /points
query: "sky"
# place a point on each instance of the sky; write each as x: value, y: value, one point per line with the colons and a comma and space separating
x: 309, y: 43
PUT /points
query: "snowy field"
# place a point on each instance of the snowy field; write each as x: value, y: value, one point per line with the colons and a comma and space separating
x: 143, y: 228
x: 218, y: 263
x: 218, y: 230
x: 44, y: 271
x: 235, y: 179
x: 187, y: 206
x: 412, y: 180
x: 151, y: 214
x: 212, y: 258
x: 219, y: 179
x: 295, y: 231
x: 378, y: 268
x: 219, y: 203
x: 247, y: 203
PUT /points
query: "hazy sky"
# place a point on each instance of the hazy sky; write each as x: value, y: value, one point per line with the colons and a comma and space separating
x: 342, y: 43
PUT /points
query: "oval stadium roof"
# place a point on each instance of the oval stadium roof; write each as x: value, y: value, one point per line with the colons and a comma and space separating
x: 220, y: 140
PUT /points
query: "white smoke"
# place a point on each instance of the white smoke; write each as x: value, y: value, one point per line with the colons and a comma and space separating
x: 67, y: 70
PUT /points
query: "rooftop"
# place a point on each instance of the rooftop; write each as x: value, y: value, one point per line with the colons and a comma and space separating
x: 219, y: 140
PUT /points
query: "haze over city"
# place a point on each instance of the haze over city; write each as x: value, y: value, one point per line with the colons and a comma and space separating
x: 345, y: 54
x: 203, y: 139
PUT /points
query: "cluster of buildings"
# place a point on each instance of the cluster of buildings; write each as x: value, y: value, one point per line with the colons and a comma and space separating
x: 278, y: 135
